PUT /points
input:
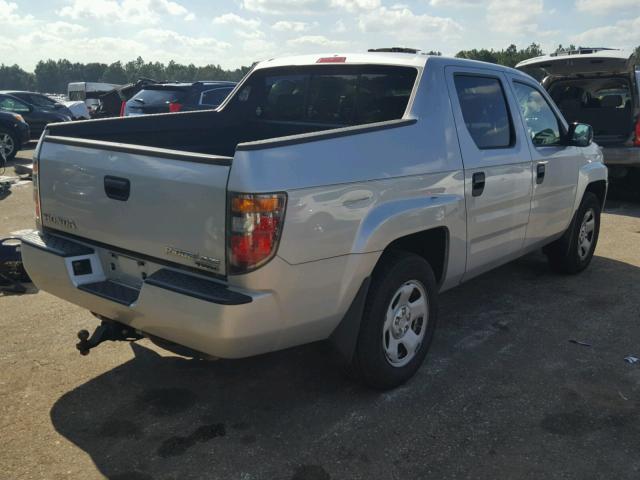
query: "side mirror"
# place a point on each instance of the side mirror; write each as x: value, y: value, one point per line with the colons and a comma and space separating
x: 580, y: 134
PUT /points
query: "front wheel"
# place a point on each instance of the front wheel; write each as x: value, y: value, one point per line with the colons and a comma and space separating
x: 398, y: 322
x: 8, y: 145
x: 573, y: 252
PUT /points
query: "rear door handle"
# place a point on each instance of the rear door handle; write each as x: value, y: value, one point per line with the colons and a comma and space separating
x: 541, y: 169
x: 117, y: 188
x: 477, y: 184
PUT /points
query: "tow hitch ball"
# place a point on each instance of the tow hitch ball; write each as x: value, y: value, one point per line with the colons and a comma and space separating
x: 108, y: 330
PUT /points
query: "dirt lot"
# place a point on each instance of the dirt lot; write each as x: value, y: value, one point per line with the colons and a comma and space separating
x: 504, y: 394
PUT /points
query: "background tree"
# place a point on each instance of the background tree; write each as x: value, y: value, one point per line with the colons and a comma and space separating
x: 53, y: 76
x: 15, y: 77
x: 509, y: 56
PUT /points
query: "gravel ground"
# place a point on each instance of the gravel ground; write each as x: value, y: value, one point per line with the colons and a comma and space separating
x: 504, y: 394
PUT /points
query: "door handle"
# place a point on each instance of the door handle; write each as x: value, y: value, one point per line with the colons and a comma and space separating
x: 540, y: 171
x: 477, y: 184
x: 117, y: 188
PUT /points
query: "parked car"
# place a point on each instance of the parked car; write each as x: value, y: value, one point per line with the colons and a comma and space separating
x: 14, y: 134
x: 113, y: 103
x: 329, y: 198
x: 37, y: 110
x: 601, y: 87
x: 178, y: 97
x: 90, y: 93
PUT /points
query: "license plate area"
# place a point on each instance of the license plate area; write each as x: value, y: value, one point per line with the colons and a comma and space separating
x: 124, y: 269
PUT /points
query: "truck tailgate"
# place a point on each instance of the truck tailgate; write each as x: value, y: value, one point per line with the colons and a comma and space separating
x: 165, y: 204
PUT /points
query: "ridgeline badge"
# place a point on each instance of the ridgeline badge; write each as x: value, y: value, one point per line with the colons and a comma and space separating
x: 199, y: 260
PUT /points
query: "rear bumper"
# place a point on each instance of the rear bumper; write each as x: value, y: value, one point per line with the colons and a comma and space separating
x: 625, y: 156
x: 186, y: 309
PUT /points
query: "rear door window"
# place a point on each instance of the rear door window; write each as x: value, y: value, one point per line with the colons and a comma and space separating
x: 485, y: 112
x: 541, y: 122
x: 11, y: 104
x: 333, y: 95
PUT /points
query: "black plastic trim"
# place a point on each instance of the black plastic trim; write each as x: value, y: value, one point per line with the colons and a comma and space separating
x: 196, y: 287
x: 56, y: 245
x: 142, y: 150
x: 112, y: 291
x: 324, y: 135
x: 345, y: 336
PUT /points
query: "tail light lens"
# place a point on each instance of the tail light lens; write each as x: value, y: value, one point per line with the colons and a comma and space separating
x: 254, y: 231
x: 636, y: 141
x: 36, y: 180
x: 175, y: 107
x: 123, y: 105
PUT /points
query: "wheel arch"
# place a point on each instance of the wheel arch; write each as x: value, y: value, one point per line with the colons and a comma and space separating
x: 592, y: 177
x: 432, y: 244
x: 599, y: 189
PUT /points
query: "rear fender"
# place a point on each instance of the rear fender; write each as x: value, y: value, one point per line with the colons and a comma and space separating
x: 398, y: 218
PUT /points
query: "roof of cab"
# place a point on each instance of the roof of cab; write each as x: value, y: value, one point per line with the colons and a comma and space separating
x: 417, y: 60
x: 376, y: 58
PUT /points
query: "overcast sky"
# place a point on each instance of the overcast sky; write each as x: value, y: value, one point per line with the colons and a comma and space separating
x: 237, y: 32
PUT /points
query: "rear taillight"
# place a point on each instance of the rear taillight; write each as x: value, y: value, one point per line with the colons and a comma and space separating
x: 255, y: 224
x: 175, y: 107
x: 36, y: 180
x: 636, y: 141
x: 123, y: 105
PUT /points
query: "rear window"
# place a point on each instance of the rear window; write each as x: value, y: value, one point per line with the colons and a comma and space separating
x: 334, y: 95
x: 157, y: 97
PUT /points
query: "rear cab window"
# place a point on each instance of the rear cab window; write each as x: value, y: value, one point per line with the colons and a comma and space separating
x: 485, y: 111
x: 329, y: 95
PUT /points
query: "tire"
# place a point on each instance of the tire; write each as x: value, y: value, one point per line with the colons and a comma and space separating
x: 573, y: 252
x: 394, y: 320
x: 9, y: 143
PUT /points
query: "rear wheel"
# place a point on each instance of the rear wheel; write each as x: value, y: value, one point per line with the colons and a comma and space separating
x: 8, y: 145
x: 573, y: 252
x: 398, y: 322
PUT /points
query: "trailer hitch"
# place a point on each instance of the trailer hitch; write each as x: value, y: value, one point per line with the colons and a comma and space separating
x: 107, y: 330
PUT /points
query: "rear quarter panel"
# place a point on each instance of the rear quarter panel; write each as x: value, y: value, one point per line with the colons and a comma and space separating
x: 355, y: 194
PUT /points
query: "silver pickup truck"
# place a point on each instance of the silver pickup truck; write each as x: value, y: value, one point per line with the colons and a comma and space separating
x: 329, y: 197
